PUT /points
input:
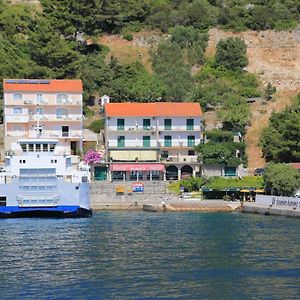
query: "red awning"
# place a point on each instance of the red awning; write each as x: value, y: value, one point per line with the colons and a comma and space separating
x: 137, y: 167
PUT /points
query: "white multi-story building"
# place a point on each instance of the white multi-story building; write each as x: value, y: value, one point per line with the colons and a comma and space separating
x: 43, y: 109
x: 158, y: 136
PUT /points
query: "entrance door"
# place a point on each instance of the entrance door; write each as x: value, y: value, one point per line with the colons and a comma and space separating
x: 100, y: 173
x: 65, y: 131
x: 73, y: 147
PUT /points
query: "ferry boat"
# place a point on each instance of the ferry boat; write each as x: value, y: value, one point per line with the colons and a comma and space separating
x: 38, y: 181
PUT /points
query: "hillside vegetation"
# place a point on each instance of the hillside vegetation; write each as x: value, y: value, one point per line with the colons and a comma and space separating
x: 179, y: 58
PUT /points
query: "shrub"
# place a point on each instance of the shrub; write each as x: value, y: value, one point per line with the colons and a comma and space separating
x: 128, y: 36
x: 97, y: 125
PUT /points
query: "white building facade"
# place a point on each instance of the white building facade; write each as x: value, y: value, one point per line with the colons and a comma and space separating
x: 164, y: 133
x: 43, y: 109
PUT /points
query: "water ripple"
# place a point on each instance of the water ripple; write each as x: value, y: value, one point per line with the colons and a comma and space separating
x: 135, y: 255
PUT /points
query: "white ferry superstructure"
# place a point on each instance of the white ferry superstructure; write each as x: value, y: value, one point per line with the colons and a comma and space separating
x: 39, y: 182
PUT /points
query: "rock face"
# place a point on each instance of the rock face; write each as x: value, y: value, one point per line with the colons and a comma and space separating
x: 273, y: 55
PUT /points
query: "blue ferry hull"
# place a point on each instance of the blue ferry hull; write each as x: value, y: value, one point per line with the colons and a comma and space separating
x: 44, y: 212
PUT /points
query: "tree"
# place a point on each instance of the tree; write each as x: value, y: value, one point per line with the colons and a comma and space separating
x: 169, y: 66
x: 70, y: 17
x: 232, y: 54
x: 280, y: 140
x: 221, y: 153
x: 281, y: 179
x: 234, y: 114
x: 92, y: 157
x: 48, y: 49
x: 270, y: 90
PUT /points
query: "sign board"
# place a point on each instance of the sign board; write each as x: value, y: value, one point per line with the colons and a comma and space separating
x: 138, y: 187
x: 287, y: 202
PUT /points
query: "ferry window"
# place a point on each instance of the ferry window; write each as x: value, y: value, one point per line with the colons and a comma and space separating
x: 45, y: 147
x: 52, y: 146
x: 24, y: 148
x: 25, y: 188
x: 24, y: 161
x: 34, y: 188
x: 17, y: 110
x: 30, y: 146
x: 38, y: 147
x: 17, y: 96
x: 42, y: 188
x: 20, y: 161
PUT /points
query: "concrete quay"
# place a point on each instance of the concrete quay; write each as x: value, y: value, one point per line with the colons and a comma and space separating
x: 255, y: 208
x: 154, y: 198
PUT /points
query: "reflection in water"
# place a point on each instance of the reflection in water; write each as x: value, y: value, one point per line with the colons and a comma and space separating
x: 129, y: 255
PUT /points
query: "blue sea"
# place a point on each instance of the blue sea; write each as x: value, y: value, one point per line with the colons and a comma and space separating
x: 139, y: 255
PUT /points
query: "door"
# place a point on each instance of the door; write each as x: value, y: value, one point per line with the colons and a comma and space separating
x: 73, y: 147
x: 100, y: 173
x: 121, y: 141
x: 65, y: 131
x: 146, y: 141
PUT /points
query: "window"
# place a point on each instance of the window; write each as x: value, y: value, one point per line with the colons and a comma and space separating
x: 30, y: 147
x: 38, y: 147
x: 121, y: 141
x: 146, y: 141
x: 190, y: 124
x: 39, y: 111
x: 51, y: 148
x: 45, y: 147
x: 168, y: 124
x: 120, y: 124
x: 39, y: 98
x: 62, y: 113
x: 191, y: 140
x: 65, y: 131
x: 191, y: 152
x: 17, y: 96
x: 18, y: 127
x: 24, y: 147
x: 17, y: 110
x: 146, y: 124
x: 168, y: 141
x: 62, y: 98
x: 165, y: 154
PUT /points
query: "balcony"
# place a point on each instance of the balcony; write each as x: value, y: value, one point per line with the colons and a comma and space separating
x: 180, y: 159
x: 16, y: 118
x: 54, y: 118
x: 132, y: 129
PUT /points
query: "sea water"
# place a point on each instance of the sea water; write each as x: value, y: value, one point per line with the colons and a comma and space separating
x: 139, y: 255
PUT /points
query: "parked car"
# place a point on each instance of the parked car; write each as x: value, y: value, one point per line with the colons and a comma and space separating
x: 259, y: 171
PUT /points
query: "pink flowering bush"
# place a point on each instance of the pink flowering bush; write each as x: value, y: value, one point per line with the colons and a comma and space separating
x: 92, y: 157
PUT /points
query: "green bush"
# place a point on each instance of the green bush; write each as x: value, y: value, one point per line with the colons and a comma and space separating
x: 97, y: 125
x: 128, y: 36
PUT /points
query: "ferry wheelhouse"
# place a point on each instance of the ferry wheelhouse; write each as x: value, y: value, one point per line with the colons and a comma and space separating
x: 39, y: 181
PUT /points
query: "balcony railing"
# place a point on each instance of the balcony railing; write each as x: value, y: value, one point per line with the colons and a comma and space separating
x: 43, y: 102
x: 35, y: 117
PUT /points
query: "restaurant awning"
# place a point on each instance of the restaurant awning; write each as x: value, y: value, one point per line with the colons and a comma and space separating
x: 137, y: 167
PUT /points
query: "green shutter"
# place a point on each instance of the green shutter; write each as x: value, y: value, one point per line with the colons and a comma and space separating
x: 168, y: 124
x: 121, y: 141
x: 146, y: 124
x: 146, y: 141
x: 120, y: 124
x: 191, y: 141
x: 168, y: 141
x: 190, y: 124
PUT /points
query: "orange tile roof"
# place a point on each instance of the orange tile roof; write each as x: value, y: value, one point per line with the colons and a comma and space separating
x: 42, y: 85
x: 129, y: 109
